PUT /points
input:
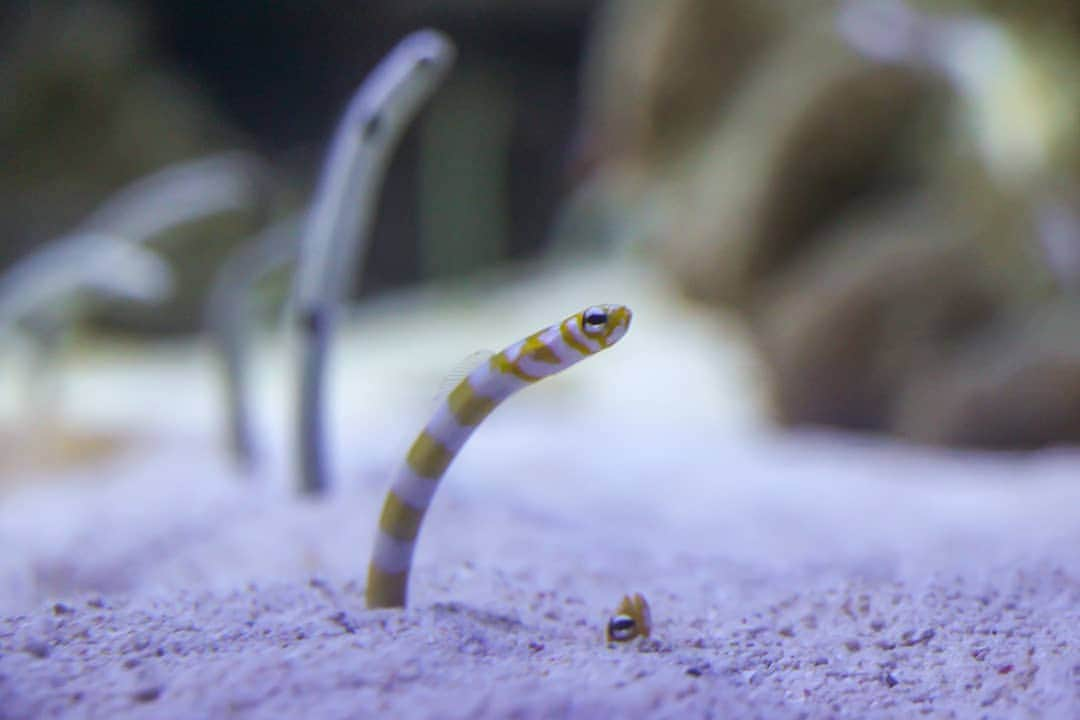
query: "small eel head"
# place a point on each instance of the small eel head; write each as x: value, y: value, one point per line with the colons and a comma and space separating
x: 605, y: 324
x: 632, y: 619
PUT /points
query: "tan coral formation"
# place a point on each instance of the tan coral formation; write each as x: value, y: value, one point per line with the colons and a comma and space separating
x: 876, y: 224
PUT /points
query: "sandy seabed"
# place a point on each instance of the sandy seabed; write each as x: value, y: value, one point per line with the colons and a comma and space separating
x: 790, y: 576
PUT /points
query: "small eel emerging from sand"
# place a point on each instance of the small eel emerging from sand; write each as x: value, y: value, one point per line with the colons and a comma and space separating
x: 632, y: 619
x: 544, y: 353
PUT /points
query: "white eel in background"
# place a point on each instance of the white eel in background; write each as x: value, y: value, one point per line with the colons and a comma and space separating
x: 342, y: 211
x: 98, y: 264
x: 228, y: 319
x: 41, y: 293
x: 104, y: 259
x: 184, y: 192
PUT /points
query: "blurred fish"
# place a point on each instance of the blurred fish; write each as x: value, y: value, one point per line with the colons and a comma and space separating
x: 96, y: 264
x: 182, y: 193
x: 343, y: 210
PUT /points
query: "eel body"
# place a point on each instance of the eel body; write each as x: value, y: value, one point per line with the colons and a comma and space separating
x: 342, y: 211
x: 544, y: 353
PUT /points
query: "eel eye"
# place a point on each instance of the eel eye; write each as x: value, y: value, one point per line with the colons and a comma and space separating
x: 621, y: 628
x: 594, y: 318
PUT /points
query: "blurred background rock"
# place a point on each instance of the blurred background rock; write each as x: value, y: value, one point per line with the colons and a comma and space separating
x: 896, y: 237
x: 901, y: 245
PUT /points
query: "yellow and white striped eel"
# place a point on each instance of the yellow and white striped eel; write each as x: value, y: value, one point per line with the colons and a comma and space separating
x: 544, y: 353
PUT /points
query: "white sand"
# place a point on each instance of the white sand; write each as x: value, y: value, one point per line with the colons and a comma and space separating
x: 789, y: 576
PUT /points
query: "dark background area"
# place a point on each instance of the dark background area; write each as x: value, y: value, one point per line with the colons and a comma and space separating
x: 274, y: 78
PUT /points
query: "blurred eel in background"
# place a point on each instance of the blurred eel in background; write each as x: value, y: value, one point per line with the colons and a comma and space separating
x: 48, y: 293
x: 341, y: 215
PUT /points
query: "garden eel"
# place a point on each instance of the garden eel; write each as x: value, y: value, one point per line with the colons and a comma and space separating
x: 632, y: 619
x: 342, y: 212
x: 542, y: 354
